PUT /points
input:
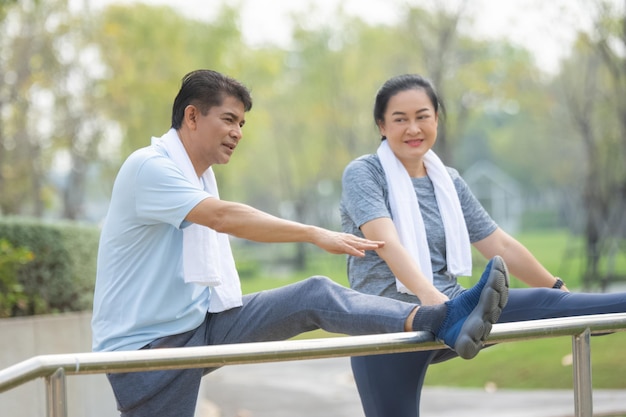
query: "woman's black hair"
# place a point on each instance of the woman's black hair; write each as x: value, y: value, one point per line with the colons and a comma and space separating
x: 206, y: 89
x: 398, y: 84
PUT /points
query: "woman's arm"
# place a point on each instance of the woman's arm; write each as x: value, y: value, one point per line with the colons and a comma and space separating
x: 520, y: 262
x: 400, y: 261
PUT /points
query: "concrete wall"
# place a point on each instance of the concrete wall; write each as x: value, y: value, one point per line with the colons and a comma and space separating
x: 23, y: 338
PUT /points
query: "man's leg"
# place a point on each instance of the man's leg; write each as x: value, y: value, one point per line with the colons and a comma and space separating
x: 160, y: 393
x: 268, y: 315
x: 318, y: 302
x: 285, y: 312
x: 313, y: 303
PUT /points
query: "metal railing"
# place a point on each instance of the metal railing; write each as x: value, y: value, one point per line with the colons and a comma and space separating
x: 54, y: 368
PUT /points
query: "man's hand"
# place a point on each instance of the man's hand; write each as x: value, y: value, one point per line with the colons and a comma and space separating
x: 246, y: 222
x: 344, y: 243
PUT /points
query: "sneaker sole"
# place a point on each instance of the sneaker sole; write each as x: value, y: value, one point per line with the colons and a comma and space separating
x: 492, y: 300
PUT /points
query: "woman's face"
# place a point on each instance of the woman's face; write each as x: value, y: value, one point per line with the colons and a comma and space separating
x: 410, y: 125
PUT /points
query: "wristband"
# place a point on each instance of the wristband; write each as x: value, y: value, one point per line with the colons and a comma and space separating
x: 558, y: 284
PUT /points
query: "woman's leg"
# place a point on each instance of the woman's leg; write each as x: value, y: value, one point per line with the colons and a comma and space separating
x: 546, y: 303
x: 394, y: 382
x: 391, y: 384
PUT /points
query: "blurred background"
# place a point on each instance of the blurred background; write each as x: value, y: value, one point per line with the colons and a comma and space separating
x: 534, y: 95
x: 535, y: 121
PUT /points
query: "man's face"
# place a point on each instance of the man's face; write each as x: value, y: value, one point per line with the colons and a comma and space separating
x: 218, y: 132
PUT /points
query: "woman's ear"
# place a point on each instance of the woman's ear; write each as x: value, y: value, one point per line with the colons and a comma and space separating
x: 381, y: 128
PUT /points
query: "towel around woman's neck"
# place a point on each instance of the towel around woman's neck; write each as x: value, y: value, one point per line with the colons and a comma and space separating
x: 207, y: 256
x: 408, y: 220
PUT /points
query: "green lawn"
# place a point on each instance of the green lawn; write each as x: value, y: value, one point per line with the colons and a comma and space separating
x: 533, y: 364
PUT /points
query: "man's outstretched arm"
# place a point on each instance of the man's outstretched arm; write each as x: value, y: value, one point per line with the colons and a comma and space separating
x: 246, y: 222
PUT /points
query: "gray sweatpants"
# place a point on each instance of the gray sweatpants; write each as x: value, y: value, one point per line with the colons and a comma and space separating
x: 277, y: 314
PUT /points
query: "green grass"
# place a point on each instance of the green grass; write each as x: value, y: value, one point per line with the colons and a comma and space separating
x: 561, y: 253
x: 533, y: 364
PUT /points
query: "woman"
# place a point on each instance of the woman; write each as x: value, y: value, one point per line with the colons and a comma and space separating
x: 429, y: 219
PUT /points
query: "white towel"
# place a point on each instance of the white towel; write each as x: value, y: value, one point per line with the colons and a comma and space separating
x: 408, y: 219
x: 207, y: 256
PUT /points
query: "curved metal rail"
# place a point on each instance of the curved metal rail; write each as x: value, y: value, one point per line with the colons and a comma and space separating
x: 54, y: 368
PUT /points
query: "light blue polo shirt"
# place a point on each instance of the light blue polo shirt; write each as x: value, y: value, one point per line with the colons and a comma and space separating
x: 140, y: 293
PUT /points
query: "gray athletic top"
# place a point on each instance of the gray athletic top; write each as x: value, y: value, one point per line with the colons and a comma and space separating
x: 365, y: 198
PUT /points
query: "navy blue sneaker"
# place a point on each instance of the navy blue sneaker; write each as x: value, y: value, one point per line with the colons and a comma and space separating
x: 470, y: 316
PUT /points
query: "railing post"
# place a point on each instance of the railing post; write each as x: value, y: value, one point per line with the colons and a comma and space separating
x: 56, y: 397
x: 583, y: 392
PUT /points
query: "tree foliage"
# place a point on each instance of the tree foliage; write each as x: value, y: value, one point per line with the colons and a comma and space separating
x: 593, y: 87
x: 29, y: 60
x: 82, y: 91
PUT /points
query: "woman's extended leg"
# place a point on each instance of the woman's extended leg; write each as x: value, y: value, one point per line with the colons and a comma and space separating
x: 546, y: 303
x: 394, y: 382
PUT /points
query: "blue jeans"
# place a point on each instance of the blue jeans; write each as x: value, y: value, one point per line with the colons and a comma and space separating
x: 278, y: 314
x: 391, y: 384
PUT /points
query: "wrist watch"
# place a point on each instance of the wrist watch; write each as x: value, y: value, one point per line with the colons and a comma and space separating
x: 558, y: 284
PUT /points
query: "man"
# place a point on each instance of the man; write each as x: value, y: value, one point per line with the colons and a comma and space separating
x: 166, y: 276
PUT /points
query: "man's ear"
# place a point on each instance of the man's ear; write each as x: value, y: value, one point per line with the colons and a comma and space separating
x: 191, y: 115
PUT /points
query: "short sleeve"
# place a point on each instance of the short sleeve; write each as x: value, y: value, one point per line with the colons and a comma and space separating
x: 164, y: 195
x: 364, y: 195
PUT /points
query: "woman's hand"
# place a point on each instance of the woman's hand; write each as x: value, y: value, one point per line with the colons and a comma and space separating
x: 433, y: 298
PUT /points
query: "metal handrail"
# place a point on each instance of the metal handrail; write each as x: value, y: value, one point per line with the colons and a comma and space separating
x: 55, y: 367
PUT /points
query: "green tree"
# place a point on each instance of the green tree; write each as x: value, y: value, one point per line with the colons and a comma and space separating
x: 317, y: 115
x: 80, y: 125
x: 30, y: 60
x: 146, y: 50
x: 593, y: 85
x: 315, y: 109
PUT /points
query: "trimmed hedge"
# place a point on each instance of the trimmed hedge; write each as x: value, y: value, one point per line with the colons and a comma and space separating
x: 61, y: 276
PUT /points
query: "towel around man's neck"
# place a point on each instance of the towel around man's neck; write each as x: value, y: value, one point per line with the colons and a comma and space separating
x: 207, y: 256
x: 408, y: 220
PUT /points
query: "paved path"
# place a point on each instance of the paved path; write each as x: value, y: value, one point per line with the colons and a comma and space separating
x: 325, y: 388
